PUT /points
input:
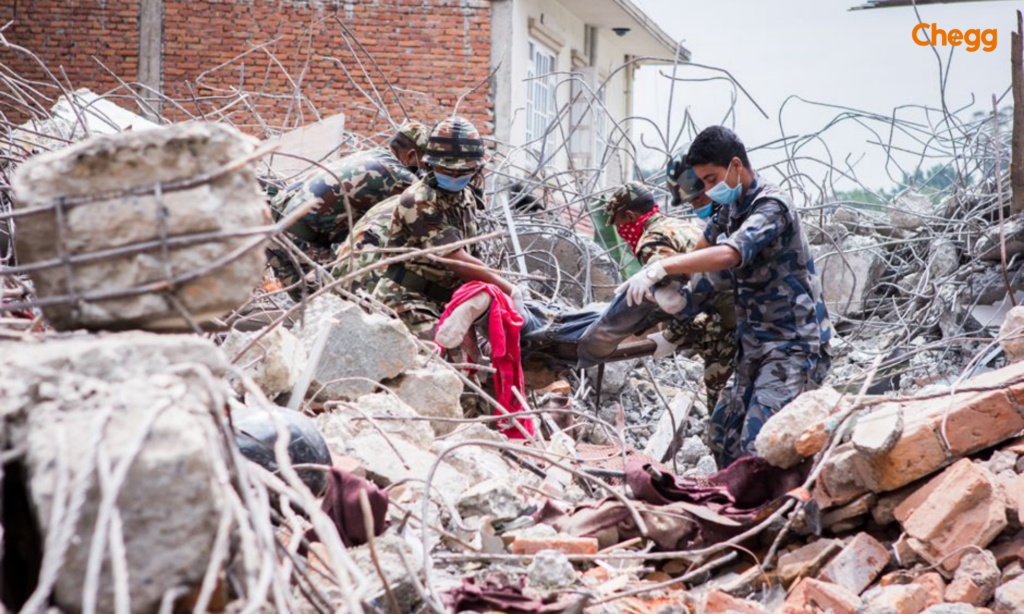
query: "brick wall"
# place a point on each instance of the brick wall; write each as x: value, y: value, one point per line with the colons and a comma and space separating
x: 432, y: 51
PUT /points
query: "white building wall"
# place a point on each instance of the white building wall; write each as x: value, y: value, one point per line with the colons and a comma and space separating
x: 566, y: 35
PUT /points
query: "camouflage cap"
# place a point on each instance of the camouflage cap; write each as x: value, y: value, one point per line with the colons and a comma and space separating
x: 626, y: 196
x: 455, y: 145
x: 415, y: 132
x: 682, y: 181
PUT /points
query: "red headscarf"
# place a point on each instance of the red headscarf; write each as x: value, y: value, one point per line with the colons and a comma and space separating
x: 632, y: 231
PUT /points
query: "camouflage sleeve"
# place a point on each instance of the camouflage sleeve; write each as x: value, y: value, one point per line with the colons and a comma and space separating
x: 711, y: 229
x: 423, y: 224
x: 763, y: 225
x: 654, y: 250
x: 403, y: 178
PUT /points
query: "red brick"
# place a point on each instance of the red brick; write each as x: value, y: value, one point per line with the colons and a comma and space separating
x: 857, y: 565
x: 965, y: 508
x: 717, y: 602
x: 810, y: 596
x: 934, y: 586
x: 565, y: 545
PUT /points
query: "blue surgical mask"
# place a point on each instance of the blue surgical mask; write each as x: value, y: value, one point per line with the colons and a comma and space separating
x: 704, y: 212
x: 452, y: 184
x: 723, y: 194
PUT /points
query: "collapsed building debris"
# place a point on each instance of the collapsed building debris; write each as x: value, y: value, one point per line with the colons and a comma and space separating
x: 899, y: 488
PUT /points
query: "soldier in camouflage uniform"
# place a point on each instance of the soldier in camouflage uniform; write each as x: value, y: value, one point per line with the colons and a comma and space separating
x: 654, y: 236
x: 783, y: 329
x: 356, y: 182
x: 438, y: 210
x: 362, y: 248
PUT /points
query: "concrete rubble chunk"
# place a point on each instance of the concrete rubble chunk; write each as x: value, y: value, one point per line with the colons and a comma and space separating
x: 811, y: 595
x: 776, y: 442
x: 1011, y: 334
x: 911, y: 210
x: 357, y: 417
x: 894, y: 599
x: 77, y: 396
x: 275, y: 363
x: 963, y: 508
x: 989, y: 245
x: 477, y: 463
x: 857, y: 565
x: 1010, y: 597
x: 670, y: 423
x: 401, y: 566
x: 853, y: 511
x: 975, y: 579
x: 433, y: 391
x: 807, y: 560
x: 550, y: 570
x: 878, y: 431
x: 719, y: 602
x: 493, y: 498
x: 105, y: 167
x: 848, y: 277
x: 361, y: 349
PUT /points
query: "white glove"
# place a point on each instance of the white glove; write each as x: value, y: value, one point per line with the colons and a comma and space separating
x: 639, y: 286
x: 519, y: 301
x: 665, y: 347
x: 669, y: 298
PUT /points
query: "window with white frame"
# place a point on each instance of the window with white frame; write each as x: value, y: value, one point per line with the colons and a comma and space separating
x: 541, y: 101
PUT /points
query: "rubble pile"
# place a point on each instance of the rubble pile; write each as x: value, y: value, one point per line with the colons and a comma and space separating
x: 320, y: 458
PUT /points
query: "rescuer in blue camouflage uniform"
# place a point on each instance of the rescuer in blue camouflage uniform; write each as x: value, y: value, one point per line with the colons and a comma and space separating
x: 783, y: 329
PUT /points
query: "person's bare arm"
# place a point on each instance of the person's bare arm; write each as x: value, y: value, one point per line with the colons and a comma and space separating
x: 707, y: 260
x: 469, y: 268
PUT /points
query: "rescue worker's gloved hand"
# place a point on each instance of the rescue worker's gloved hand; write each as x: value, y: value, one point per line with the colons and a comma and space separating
x: 665, y: 347
x: 670, y: 297
x: 519, y: 301
x: 639, y: 286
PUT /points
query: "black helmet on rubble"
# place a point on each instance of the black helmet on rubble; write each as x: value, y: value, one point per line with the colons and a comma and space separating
x: 256, y: 434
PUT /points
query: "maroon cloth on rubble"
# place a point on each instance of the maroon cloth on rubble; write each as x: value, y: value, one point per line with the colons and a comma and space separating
x: 493, y: 592
x: 740, y: 490
x: 341, y: 504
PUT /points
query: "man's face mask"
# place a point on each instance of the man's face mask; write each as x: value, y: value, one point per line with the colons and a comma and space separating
x: 722, y: 193
x: 703, y: 212
x: 452, y: 184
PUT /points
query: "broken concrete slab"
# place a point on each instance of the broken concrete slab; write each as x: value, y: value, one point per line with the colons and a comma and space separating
x: 857, y: 565
x: 670, y: 425
x: 1011, y: 334
x: 963, y: 508
x: 434, y: 391
x: 1010, y: 597
x: 911, y: 210
x: 493, y: 498
x: 550, y: 570
x: 776, y: 442
x: 879, y: 430
x: 275, y: 363
x: 362, y: 349
x: 139, y: 399
x: 116, y: 175
x: 350, y: 418
x: 848, y: 277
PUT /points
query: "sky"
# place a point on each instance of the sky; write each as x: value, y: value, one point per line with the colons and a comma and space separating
x: 822, y: 52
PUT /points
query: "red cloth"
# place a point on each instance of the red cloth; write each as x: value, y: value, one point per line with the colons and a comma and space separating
x: 341, y: 504
x: 632, y: 231
x: 503, y: 324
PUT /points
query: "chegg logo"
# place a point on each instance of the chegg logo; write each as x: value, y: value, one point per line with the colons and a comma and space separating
x: 974, y: 39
